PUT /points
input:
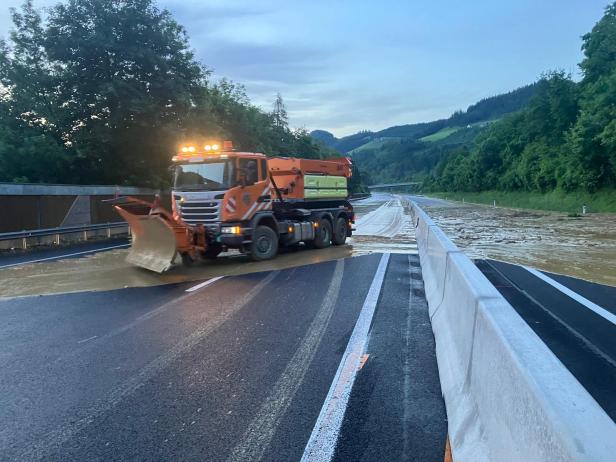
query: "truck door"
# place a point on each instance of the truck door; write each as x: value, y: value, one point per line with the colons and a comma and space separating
x: 255, y: 195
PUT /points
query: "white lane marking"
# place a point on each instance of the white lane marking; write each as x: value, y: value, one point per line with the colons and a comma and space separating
x: 59, y: 257
x: 87, y: 339
x: 574, y: 295
x: 324, y: 437
x: 406, y: 365
x: 204, y: 284
x: 258, y: 436
x: 80, y: 419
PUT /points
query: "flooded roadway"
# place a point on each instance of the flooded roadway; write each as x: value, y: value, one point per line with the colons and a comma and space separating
x: 583, y: 247
x: 382, y: 225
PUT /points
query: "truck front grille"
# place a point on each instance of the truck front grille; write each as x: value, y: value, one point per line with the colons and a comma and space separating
x: 200, y: 212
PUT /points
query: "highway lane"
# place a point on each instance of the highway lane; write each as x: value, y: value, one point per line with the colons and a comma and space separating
x: 579, y: 332
x: 384, y: 224
x: 237, y: 370
x: 600, y: 294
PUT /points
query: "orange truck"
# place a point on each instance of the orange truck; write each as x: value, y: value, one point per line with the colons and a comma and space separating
x: 223, y: 199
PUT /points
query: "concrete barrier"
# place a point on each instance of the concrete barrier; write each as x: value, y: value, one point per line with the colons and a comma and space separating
x: 508, y: 397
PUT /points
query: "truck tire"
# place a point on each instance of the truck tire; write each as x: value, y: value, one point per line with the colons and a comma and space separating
x: 323, y: 234
x: 212, y: 251
x: 264, y: 243
x: 340, y: 231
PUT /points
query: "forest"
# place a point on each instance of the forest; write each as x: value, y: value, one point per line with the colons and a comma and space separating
x: 564, y: 139
x: 557, y: 135
x: 104, y: 91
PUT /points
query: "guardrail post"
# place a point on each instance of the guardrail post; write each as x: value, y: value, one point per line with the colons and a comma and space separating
x: 109, y: 232
x: 57, y: 239
x: 85, y: 235
x: 24, y: 243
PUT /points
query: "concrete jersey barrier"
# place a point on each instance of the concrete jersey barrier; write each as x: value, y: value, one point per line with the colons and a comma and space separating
x: 508, y: 397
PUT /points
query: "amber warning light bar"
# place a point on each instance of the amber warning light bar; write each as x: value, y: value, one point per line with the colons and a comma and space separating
x: 210, y: 147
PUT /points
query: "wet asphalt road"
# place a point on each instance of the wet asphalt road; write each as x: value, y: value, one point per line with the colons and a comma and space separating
x: 237, y: 370
x: 584, y: 340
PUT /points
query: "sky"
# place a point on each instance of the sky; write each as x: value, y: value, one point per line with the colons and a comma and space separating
x: 345, y: 66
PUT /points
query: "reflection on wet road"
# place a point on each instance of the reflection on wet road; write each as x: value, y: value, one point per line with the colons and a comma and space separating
x: 584, y: 247
x: 383, y: 225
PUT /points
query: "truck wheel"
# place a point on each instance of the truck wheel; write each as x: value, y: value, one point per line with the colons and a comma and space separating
x: 323, y: 234
x: 212, y: 251
x: 340, y: 231
x: 264, y: 243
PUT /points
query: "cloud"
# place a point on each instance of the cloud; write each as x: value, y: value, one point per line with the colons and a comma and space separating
x: 344, y: 66
x: 273, y: 63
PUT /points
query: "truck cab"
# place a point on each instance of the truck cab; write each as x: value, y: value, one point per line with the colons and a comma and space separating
x: 212, y: 188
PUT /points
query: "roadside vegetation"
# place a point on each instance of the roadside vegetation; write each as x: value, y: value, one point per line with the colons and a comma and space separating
x: 551, y: 145
x: 561, y: 147
x: 103, y: 92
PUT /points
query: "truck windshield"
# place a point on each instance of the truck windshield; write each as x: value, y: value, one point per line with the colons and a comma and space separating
x: 209, y: 176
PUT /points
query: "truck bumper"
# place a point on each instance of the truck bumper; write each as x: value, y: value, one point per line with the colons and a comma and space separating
x: 231, y: 240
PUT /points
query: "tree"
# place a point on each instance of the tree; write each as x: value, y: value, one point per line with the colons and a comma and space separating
x: 599, y: 47
x: 279, y: 113
x: 592, y: 140
x: 128, y: 80
x: 109, y: 88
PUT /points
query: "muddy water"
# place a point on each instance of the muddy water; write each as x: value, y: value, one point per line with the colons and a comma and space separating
x: 383, y: 225
x: 376, y: 217
x: 582, y: 247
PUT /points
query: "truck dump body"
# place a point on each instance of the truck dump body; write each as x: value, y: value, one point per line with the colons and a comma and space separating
x: 310, y: 178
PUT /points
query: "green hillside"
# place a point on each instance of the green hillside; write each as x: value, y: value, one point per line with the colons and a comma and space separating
x: 563, y: 140
x: 483, y: 111
x: 557, y: 136
x: 374, y: 144
x: 405, y: 159
x: 440, y: 135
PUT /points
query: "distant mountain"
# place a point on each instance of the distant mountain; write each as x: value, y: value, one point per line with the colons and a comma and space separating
x: 485, y: 110
x: 324, y: 136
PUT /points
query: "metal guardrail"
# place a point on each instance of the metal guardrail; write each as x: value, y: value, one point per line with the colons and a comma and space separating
x: 57, y: 232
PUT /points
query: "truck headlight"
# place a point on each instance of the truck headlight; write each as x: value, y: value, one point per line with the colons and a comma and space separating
x: 231, y: 230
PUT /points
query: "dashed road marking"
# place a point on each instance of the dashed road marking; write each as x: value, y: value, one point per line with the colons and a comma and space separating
x: 54, y: 439
x: 204, y: 284
x: 261, y: 430
x: 322, y: 443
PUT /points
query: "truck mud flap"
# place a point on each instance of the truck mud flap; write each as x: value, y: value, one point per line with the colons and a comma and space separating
x: 153, y: 245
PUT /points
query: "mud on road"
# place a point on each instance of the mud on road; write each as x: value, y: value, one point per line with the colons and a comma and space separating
x: 583, y: 247
x: 383, y: 225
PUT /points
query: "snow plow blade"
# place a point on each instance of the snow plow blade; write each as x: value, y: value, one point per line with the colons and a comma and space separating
x: 153, y: 245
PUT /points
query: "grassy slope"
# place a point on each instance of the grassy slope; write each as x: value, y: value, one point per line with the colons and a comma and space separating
x: 603, y: 201
x: 374, y: 144
x: 440, y: 135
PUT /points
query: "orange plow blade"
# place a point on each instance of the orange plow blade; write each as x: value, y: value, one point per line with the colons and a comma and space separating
x: 153, y: 245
